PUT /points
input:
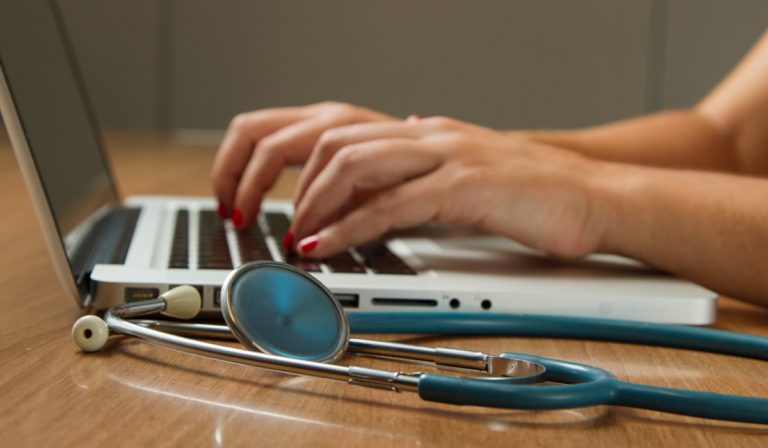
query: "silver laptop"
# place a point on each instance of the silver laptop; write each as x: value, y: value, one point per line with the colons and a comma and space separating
x: 106, y: 250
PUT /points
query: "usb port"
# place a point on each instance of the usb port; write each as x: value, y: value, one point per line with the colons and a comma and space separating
x: 138, y: 294
x: 348, y: 300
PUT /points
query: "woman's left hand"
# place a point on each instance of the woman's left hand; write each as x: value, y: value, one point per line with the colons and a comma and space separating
x: 366, y: 179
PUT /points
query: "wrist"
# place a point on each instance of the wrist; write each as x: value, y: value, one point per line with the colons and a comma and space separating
x: 615, y: 192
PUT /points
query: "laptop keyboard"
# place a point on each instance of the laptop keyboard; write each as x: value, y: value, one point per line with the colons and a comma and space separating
x: 212, y: 248
x: 180, y: 246
x: 213, y: 251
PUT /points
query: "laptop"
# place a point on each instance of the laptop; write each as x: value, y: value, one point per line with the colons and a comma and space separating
x: 107, y: 250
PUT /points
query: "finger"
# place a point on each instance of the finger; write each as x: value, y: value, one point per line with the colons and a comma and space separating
x: 410, y: 204
x: 289, y: 145
x: 244, y: 132
x: 362, y: 166
x: 335, y: 139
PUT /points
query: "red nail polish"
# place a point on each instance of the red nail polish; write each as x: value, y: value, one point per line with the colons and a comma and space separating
x: 288, y: 241
x: 308, y: 244
x: 237, y: 217
x: 222, y: 210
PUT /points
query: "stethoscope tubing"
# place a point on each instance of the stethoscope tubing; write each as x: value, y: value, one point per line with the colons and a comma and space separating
x: 567, y: 327
x: 596, y: 386
x: 590, y: 386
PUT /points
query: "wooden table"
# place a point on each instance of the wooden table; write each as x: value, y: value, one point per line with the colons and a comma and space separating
x: 135, y: 394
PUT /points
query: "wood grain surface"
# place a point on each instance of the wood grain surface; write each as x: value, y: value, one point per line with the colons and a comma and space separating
x: 135, y: 394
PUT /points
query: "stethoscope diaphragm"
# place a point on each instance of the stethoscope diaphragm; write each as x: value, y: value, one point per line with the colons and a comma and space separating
x: 278, y: 309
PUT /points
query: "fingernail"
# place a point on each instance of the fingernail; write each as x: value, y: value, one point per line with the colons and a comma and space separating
x: 222, y: 210
x: 308, y: 244
x: 237, y: 217
x: 288, y: 241
x: 414, y: 117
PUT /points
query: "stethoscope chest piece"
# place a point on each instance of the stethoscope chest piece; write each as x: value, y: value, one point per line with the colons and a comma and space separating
x: 289, y: 313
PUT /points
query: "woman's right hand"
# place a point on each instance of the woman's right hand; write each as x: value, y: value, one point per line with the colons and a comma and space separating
x: 258, y: 144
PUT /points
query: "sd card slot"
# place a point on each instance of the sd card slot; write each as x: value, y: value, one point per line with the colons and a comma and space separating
x: 391, y: 301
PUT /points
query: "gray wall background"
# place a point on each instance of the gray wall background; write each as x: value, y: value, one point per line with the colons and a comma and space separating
x: 167, y: 64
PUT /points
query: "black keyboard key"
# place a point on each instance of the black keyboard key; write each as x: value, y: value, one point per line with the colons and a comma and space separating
x: 344, y: 263
x: 180, y: 246
x: 381, y: 260
x: 213, y: 251
x: 303, y: 264
x: 278, y: 224
x: 254, y: 254
x: 252, y: 245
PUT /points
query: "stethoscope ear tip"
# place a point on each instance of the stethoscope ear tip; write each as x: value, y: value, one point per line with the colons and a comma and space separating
x: 90, y: 333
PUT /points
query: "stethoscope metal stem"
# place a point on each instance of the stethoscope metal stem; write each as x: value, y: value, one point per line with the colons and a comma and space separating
x: 518, y: 369
x: 395, y: 381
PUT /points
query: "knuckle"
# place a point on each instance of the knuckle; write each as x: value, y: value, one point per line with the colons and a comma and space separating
x: 270, y: 146
x: 342, y: 111
x: 266, y: 144
x: 453, y: 143
x: 347, y: 158
x: 240, y: 121
x: 457, y: 141
x: 328, y: 104
x: 467, y: 177
x: 385, y: 203
x: 443, y: 123
x: 329, y: 141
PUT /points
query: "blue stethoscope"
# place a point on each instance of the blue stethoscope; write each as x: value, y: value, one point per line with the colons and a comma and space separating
x: 292, y: 323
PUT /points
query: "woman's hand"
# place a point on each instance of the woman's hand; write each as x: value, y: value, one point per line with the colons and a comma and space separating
x: 259, y: 144
x: 365, y: 179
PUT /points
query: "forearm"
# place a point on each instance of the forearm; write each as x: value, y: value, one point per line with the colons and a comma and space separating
x: 707, y: 227
x: 680, y: 139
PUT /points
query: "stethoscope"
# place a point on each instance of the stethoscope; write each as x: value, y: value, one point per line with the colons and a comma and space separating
x: 292, y: 323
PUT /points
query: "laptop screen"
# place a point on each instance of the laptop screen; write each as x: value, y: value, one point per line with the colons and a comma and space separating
x: 55, y: 118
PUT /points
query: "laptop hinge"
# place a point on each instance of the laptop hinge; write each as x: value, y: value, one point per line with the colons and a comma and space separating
x: 106, y: 243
